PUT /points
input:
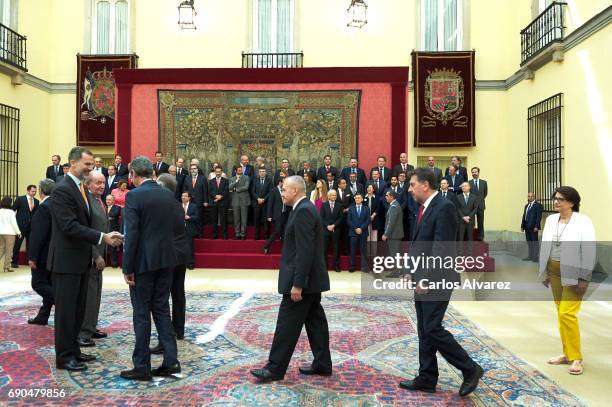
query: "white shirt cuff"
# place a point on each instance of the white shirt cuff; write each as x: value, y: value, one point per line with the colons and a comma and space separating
x: 101, y: 237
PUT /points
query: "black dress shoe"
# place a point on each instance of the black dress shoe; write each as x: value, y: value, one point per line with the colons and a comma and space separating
x: 180, y: 337
x: 37, y: 321
x: 85, y: 358
x: 266, y: 250
x: 266, y: 375
x: 99, y: 335
x: 337, y: 269
x: 167, y: 371
x: 136, y: 375
x: 470, y: 382
x: 72, y: 365
x: 351, y: 270
x: 190, y: 267
x: 15, y: 266
x: 158, y: 350
x: 311, y: 371
x: 417, y: 385
x: 527, y: 259
x: 85, y: 343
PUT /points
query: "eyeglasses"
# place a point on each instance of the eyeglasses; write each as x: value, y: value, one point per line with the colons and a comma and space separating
x: 559, y: 199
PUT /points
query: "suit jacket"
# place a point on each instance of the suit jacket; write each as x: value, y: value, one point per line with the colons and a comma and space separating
x: 322, y: 172
x: 40, y: 235
x: 275, y: 205
x: 122, y: 170
x: 110, y: 185
x: 380, y: 188
x: 303, y: 262
x: 374, y: 208
x: 334, y: 185
x: 400, y: 198
x: 355, y: 221
x: 181, y: 247
x: 239, y: 191
x: 456, y: 186
x: 533, y: 218
x: 191, y: 224
x: 24, y: 216
x: 311, y: 172
x: 222, y: 189
x: 148, y: 228
x: 361, y: 177
x: 99, y: 222
x: 260, y: 191
x: 329, y: 217
x: 248, y: 170
x: 452, y: 198
x: 460, y: 171
x: 346, y: 199
x: 358, y: 188
x: 468, y: 209
x: 163, y: 168
x: 52, y: 174
x: 199, y: 193
x: 394, y: 222
x: 398, y: 168
x: 437, y: 173
x: 71, y: 231
x: 385, y: 176
x: 114, y: 216
x: 483, y: 190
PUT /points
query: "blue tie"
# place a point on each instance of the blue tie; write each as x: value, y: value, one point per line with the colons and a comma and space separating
x: 358, y: 211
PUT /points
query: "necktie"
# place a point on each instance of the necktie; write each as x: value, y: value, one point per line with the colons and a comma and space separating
x: 354, y: 171
x: 101, y: 204
x: 528, y: 208
x: 476, y: 185
x: 218, y: 182
x: 158, y: 166
x: 382, y: 172
x: 262, y: 181
x: 377, y: 185
x: 359, y: 211
x: 404, y: 167
x: 30, y: 203
x: 331, y: 205
x: 56, y: 170
x: 83, y: 194
x: 193, y: 182
x: 420, y: 214
x: 444, y: 195
x: 466, y: 198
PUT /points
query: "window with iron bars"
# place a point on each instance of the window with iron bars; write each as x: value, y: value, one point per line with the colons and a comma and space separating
x: 9, y: 150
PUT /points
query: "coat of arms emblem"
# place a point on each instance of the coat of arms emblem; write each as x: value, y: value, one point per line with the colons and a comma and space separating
x: 98, y: 96
x: 444, y: 98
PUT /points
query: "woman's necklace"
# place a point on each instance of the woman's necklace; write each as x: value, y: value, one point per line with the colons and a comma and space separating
x: 557, y: 234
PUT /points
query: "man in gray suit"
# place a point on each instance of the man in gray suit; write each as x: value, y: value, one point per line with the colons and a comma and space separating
x: 394, y: 226
x: 95, y: 183
x: 481, y: 188
x: 468, y: 207
x: 240, y: 199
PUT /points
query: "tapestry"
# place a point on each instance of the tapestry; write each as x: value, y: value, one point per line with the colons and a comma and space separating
x: 219, y: 126
x: 373, y: 343
x: 444, y: 99
x: 95, y: 98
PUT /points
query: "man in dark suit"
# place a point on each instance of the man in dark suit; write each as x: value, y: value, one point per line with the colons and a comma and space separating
x: 284, y: 167
x: 25, y: 207
x: 179, y: 180
x: 445, y: 193
x: 260, y: 191
x: 332, y: 183
x: 148, y: 262
x: 160, y: 167
x: 379, y: 184
x: 247, y: 169
x: 277, y: 214
x: 40, y: 235
x: 218, y: 199
x: 353, y: 167
x: 327, y: 167
x: 479, y: 187
x: 358, y: 220
x: 112, y: 179
x: 181, y: 171
x: 456, y: 162
x: 403, y: 165
x: 113, y: 213
x: 331, y: 216
x: 468, y: 207
x: 70, y: 257
x: 197, y: 187
x: 431, y: 165
x: 345, y: 198
x: 99, y: 167
x: 55, y: 169
x: 531, y: 224
x: 454, y: 180
x: 122, y: 170
x: 436, y: 230
x: 354, y: 186
x: 307, y: 170
x: 302, y: 278
x: 191, y: 225
x: 95, y: 184
x: 383, y: 171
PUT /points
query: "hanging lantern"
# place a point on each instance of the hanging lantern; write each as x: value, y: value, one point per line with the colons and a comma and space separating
x: 357, y: 13
x: 187, y: 15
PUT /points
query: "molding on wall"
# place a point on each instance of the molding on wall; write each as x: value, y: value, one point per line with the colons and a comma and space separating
x: 582, y: 33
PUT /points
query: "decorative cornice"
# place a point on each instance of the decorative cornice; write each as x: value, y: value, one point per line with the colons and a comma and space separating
x: 53, y: 88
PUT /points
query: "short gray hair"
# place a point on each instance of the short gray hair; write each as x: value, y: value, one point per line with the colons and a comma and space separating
x: 92, y: 176
x: 142, y: 166
x: 167, y: 181
x: 297, y: 182
x: 46, y: 186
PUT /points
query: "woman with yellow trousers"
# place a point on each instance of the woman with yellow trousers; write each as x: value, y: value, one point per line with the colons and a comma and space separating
x: 567, y: 259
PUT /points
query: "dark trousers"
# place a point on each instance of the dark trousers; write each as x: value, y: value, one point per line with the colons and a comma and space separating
x: 279, y: 231
x: 480, y: 222
x: 150, y: 296
x: 292, y: 316
x: 92, y: 305
x: 434, y: 338
x: 218, y: 211
x: 113, y: 253
x: 335, y: 239
x: 178, y: 301
x: 466, y: 231
x: 200, y: 221
x: 361, y: 242
x: 532, y: 243
x: 190, y: 258
x: 17, y: 247
x: 42, y: 285
x: 70, y: 302
x: 259, y: 219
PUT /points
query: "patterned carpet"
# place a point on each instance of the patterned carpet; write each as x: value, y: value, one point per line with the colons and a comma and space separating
x: 374, y: 346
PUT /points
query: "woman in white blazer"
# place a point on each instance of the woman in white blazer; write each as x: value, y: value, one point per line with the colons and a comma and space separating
x: 8, y: 231
x: 567, y: 259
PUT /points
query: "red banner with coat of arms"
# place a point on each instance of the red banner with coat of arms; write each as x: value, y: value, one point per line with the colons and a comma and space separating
x: 444, y: 99
x: 95, y: 104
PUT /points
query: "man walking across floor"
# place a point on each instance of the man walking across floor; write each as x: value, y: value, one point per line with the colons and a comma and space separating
x: 148, y: 262
x: 302, y: 278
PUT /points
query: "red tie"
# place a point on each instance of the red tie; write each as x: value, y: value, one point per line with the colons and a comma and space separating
x: 420, y: 214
